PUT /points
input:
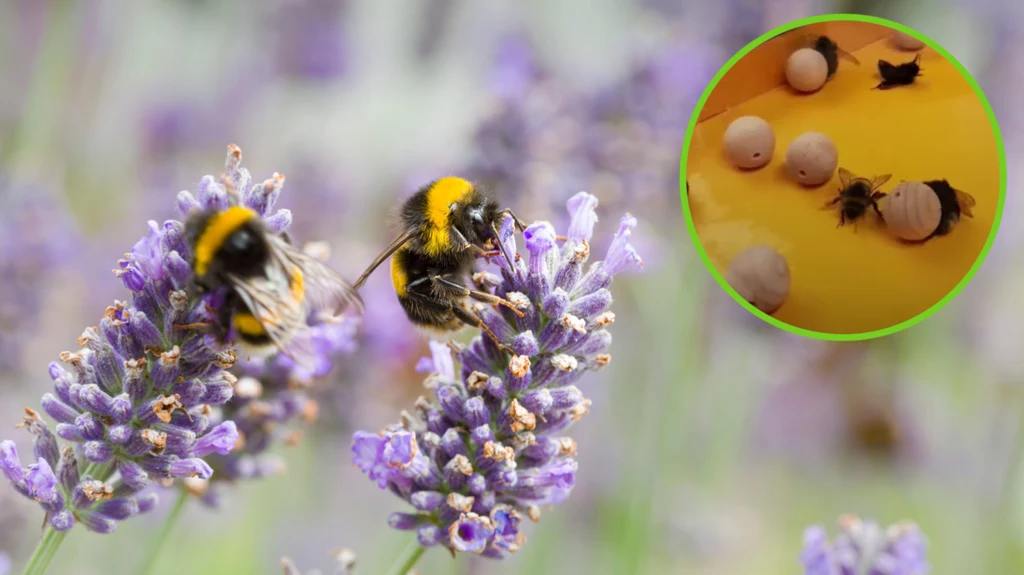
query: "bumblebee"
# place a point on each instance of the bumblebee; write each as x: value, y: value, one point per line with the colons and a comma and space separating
x: 953, y: 203
x: 898, y: 74
x: 447, y: 224
x: 857, y: 195
x: 271, y: 287
x: 831, y: 52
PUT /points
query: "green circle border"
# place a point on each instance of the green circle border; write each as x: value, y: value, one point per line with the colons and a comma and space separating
x: 843, y: 336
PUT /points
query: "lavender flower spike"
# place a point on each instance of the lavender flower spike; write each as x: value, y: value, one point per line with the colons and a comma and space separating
x: 488, y: 451
x: 864, y: 547
x: 139, y: 396
x: 265, y: 399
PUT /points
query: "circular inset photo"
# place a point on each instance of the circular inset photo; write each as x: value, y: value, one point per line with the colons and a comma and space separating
x: 843, y: 177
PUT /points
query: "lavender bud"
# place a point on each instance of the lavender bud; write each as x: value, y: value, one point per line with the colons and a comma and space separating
x: 557, y: 303
x: 428, y: 535
x: 134, y: 476
x: 57, y: 409
x: 97, y: 452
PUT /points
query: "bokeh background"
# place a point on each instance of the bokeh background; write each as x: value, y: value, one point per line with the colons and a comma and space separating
x: 713, y: 439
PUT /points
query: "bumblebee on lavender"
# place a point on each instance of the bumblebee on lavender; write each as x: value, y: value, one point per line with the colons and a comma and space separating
x: 857, y: 195
x: 894, y: 75
x: 446, y: 225
x: 271, y: 287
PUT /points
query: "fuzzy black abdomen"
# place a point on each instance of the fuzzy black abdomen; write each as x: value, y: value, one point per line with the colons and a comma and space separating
x: 827, y: 48
x: 950, y: 207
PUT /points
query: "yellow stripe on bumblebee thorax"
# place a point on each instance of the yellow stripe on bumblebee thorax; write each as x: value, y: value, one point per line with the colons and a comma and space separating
x: 217, y: 230
x: 442, y: 197
x: 399, y: 279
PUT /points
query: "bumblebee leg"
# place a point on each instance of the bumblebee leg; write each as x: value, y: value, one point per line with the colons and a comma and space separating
x: 477, y: 295
x: 832, y: 202
x: 482, y: 253
x: 202, y: 326
x: 462, y: 241
x: 875, y: 204
x: 472, y: 320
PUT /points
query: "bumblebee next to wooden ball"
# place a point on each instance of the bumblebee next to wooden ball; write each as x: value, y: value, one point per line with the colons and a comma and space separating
x: 894, y: 75
x: 271, y: 288
x: 447, y: 225
x: 954, y: 203
x: 831, y: 52
x: 857, y: 195
x: 920, y: 211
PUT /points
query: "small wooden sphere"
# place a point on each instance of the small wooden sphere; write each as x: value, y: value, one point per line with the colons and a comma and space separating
x: 806, y: 70
x: 761, y: 276
x: 912, y: 211
x: 811, y: 159
x: 749, y: 142
x: 906, y: 42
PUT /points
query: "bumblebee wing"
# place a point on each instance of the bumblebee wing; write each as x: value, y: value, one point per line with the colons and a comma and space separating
x: 392, y: 248
x: 966, y: 202
x: 879, y: 181
x: 270, y: 301
x: 847, y: 55
x: 845, y: 177
x: 323, y: 289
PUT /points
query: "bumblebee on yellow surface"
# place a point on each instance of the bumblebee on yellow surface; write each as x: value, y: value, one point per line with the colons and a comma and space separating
x: 446, y: 225
x: 272, y: 287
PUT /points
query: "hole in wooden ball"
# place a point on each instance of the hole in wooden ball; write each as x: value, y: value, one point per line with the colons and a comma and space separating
x: 802, y: 173
x: 757, y: 154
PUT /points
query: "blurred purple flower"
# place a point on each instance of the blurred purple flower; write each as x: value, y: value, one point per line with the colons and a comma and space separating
x: 5, y: 563
x: 271, y: 397
x: 485, y: 452
x: 545, y: 140
x: 862, y: 547
x: 38, y: 238
x: 310, y: 40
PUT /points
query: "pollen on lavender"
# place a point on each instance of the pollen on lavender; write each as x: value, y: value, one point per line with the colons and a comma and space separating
x: 487, y: 449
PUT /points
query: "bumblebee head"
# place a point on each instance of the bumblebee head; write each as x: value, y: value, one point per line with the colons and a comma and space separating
x: 476, y: 217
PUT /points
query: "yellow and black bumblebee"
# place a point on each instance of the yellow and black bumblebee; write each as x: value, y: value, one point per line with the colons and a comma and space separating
x: 446, y: 225
x: 271, y: 287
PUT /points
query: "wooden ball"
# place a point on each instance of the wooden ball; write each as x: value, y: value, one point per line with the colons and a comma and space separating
x: 912, y: 211
x: 806, y: 70
x: 811, y: 159
x: 749, y: 142
x: 761, y: 276
x: 906, y: 42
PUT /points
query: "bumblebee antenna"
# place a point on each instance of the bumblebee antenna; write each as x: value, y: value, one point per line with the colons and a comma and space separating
x: 395, y: 245
x: 501, y: 245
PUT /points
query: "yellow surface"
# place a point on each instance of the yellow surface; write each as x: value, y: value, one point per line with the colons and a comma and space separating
x: 853, y: 280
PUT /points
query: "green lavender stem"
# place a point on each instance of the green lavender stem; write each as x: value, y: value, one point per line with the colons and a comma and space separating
x: 407, y: 560
x: 45, y: 551
x: 165, y: 532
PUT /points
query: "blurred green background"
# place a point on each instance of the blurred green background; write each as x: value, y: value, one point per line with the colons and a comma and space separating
x: 713, y: 439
